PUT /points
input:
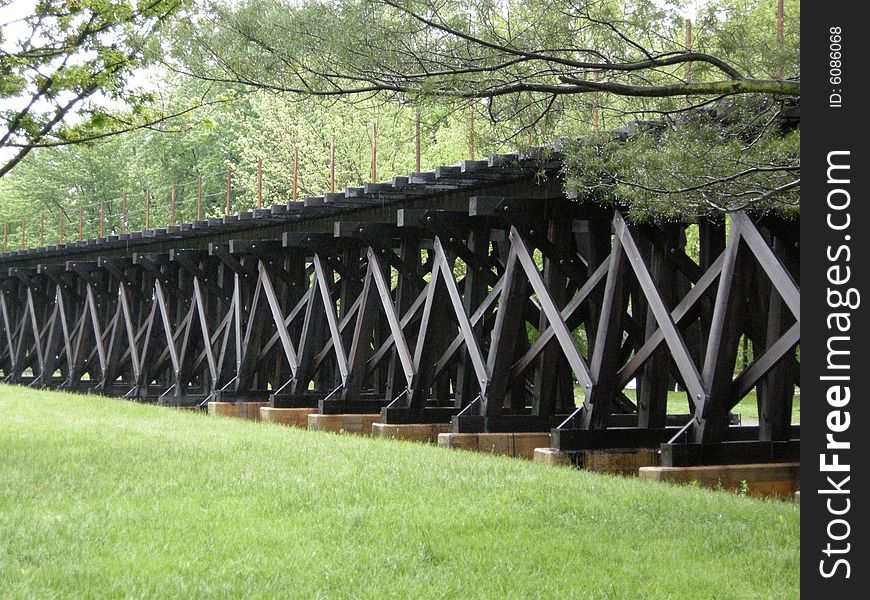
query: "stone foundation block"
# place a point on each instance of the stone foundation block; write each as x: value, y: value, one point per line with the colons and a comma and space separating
x: 780, y: 480
x: 292, y: 417
x: 619, y: 461
x: 552, y: 457
x: 239, y: 410
x: 520, y: 445
x: 612, y: 461
x: 344, y: 423
x: 426, y: 433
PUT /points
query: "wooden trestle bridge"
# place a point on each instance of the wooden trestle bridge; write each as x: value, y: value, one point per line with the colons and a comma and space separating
x: 477, y: 295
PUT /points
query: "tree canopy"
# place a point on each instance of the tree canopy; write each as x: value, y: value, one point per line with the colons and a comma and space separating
x: 477, y: 49
x: 649, y: 113
x: 56, y: 60
x: 724, y: 93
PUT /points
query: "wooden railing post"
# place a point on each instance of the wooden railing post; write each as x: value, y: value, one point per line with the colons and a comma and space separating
x: 374, y: 151
x: 780, y: 33
x: 295, y: 174
x: 417, y: 142
x: 332, y: 165
x: 229, y: 208
x: 260, y: 184
x: 471, y: 133
x: 199, y: 198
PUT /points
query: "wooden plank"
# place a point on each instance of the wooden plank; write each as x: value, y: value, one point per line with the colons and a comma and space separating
x: 673, y: 338
x: 744, y: 382
x: 729, y: 453
x: 361, y: 342
x: 553, y: 385
x: 331, y: 319
x: 278, y: 318
x: 398, y: 336
x: 605, y: 354
x: 557, y: 323
x: 652, y: 392
x: 779, y: 275
x: 167, y: 325
x: 613, y: 437
x: 711, y: 411
x: 683, y: 308
x: 472, y: 344
x: 128, y: 327
x: 34, y: 325
x: 475, y: 319
x: 503, y: 341
x: 203, y: 324
x: 405, y: 416
x: 474, y: 293
x: 95, y: 323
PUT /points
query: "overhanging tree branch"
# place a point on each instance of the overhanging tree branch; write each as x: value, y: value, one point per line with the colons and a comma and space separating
x: 738, y: 86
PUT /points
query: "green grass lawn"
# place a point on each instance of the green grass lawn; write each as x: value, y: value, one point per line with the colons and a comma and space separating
x: 678, y: 404
x: 747, y: 408
x: 105, y: 498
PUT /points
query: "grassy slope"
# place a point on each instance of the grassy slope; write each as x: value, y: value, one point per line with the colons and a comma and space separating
x: 100, y: 497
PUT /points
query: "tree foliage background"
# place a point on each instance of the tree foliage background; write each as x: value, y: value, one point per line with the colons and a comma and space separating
x: 682, y: 128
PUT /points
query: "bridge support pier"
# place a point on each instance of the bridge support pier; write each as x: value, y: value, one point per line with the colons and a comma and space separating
x: 240, y: 410
x: 519, y: 445
x: 291, y: 417
x: 613, y: 461
x: 359, y: 424
x: 426, y: 433
x: 779, y: 480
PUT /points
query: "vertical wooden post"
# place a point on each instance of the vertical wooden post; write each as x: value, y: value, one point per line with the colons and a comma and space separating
x: 529, y: 140
x: 374, y: 151
x: 199, y: 198
x: 124, y: 215
x: 172, y: 206
x: 471, y: 133
x: 596, y: 116
x: 295, y: 174
x: 417, y: 142
x: 81, y: 223
x: 147, y: 209
x: 102, y: 219
x: 229, y: 209
x: 42, y: 230
x: 780, y: 32
x: 260, y: 183
x: 23, y: 233
x: 60, y: 240
x: 332, y: 166
x: 688, y: 49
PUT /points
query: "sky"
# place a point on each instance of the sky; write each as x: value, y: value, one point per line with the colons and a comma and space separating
x: 15, y: 30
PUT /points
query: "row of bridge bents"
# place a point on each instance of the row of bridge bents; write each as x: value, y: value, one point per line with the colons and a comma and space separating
x: 534, y: 172
x: 485, y: 318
